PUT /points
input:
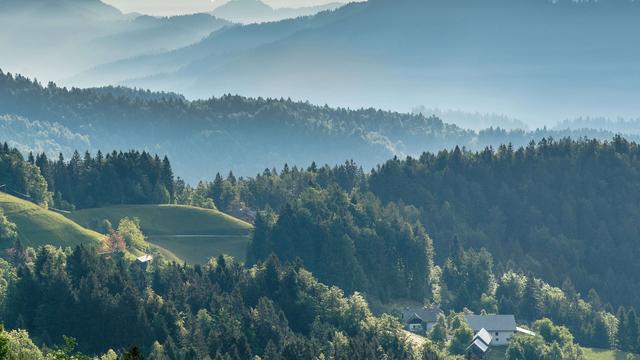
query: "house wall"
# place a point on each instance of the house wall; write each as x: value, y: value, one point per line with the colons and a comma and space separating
x: 500, y: 338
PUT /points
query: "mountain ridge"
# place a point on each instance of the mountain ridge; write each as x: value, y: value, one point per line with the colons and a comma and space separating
x: 256, y: 11
x: 492, y: 56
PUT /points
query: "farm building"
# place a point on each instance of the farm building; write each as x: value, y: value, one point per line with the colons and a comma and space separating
x: 420, y: 320
x: 480, y: 345
x: 500, y: 327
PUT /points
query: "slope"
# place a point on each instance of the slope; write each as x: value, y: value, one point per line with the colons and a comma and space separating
x: 192, y: 234
x: 37, y: 226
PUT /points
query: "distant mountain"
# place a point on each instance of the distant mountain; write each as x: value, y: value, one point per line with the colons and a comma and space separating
x: 231, y: 132
x: 255, y: 11
x: 40, y: 136
x: 474, y: 121
x: 54, y: 39
x: 541, y: 61
x: 620, y: 125
x: 51, y: 9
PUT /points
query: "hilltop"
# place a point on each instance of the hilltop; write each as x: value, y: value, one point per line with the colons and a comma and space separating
x: 190, y: 233
x: 38, y: 226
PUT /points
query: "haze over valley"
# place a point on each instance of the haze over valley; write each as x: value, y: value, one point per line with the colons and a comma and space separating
x: 317, y: 179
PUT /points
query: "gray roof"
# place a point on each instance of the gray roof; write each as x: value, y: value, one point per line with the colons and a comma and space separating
x: 491, y: 322
x: 483, y: 335
x: 427, y: 315
x: 480, y: 345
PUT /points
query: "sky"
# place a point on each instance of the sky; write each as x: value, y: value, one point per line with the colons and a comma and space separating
x: 175, y: 7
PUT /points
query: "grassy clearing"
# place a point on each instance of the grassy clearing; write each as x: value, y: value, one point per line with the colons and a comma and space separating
x: 498, y: 353
x: 188, y: 233
x: 603, y: 354
x: 167, y: 219
x: 198, y: 250
x: 37, y: 226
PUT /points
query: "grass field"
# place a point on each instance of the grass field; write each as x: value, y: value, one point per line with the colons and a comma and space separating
x: 498, y: 353
x: 191, y: 234
x: 37, y: 226
x: 600, y: 354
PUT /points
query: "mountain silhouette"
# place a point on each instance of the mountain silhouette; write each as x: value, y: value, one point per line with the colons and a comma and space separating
x: 533, y: 59
x: 256, y: 11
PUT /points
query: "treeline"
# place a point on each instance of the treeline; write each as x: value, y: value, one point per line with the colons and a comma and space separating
x: 220, y: 310
x: 118, y: 178
x: 238, y: 133
x: 84, y: 182
x: 20, y: 177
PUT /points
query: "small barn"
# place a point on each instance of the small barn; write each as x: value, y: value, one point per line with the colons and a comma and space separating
x: 420, y: 320
x: 480, y: 345
x: 144, y: 260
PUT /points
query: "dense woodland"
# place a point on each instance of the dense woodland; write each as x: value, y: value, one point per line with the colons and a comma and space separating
x: 178, y: 312
x: 116, y: 178
x: 21, y: 177
x: 83, y: 182
x: 561, y: 211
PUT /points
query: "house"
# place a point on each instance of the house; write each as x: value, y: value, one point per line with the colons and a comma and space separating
x: 420, y: 320
x: 480, y: 345
x: 144, y: 260
x: 500, y: 327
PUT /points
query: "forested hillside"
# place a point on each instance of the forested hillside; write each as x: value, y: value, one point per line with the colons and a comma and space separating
x: 177, y: 312
x: 562, y: 209
x: 237, y: 133
x: 330, y: 218
x: 364, y: 232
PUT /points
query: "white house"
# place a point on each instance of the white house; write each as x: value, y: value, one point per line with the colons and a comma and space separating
x: 500, y: 327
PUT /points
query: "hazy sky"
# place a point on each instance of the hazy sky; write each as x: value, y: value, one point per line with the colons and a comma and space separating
x: 173, y: 7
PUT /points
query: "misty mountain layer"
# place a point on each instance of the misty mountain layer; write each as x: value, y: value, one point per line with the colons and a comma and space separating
x: 230, y: 132
x: 256, y: 11
x: 54, y: 39
x: 533, y: 59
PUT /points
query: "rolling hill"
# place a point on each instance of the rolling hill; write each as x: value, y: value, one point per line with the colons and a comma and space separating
x: 37, y: 226
x: 192, y: 234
